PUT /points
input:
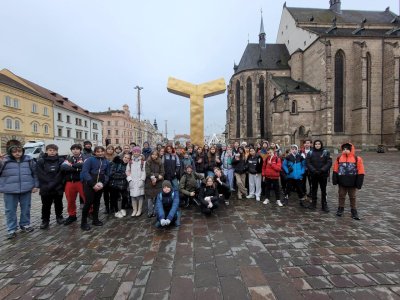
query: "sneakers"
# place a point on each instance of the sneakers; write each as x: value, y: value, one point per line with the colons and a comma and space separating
x: 123, y: 212
x: 60, y: 220
x: 119, y: 215
x: 97, y: 223
x: 279, y: 203
x: 226, y: 202
x: 250, y: 196
x: 11, y: 235
x: 258, y: 198
x: 70, y: 220
x: 85, y: 227
x: 44, y: 225
x: 27, y: 228
x: 266, y: 201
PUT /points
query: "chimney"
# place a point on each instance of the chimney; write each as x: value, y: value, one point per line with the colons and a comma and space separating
x: 335, y: 6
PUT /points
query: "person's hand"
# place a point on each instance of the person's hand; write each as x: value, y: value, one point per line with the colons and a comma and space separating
x: 192, y: 194
x: 167, y: 222
x: 219, y: 180
x: 35, y: 190
x: 220, y: 195
x: 210, y: 205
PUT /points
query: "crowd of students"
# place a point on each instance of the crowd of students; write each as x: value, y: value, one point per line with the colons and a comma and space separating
x: 170, y: 178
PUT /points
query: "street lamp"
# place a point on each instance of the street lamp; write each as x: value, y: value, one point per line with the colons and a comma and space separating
x: 139, y: 88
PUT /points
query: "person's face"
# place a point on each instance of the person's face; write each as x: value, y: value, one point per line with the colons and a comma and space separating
x: 209, y: 182
x: 212, y: 150
x: 229, y: 148
x: 161, y: 152
x: 236, y: 144
x: 51, y: 152
x: 88, y: 146
x: 195, y: 147
x: 217, y: 172
x: 118, y: 150
x: 265, y: 145
x: 273, y: 145
x: 166, y: 189
x: 346, y: 151
x: 240, y: 150
x: 146, y: 145
x: 189, y: 170
x: 16, y: 153
x: 136, y: 154
x: 186, y: 155
x: 110, y: 151
x: 99, y: 153
x: 127, y: 149
x: 199, y: 150
x: 293, y: 151
x: 307, y: 144
x: 169, y: 150
x: 154, y: 156
x: 76, y: 151
x: 317, y: 145
x: 178, y: 151
x: 126, y: 158
x: 271, y: 152
x: 190, y: 150
x: 252, y: 152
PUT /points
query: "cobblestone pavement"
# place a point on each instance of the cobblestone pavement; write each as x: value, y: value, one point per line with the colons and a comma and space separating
x: 245, y: 251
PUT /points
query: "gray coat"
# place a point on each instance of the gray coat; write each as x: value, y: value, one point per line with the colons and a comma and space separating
x: 18, y: 177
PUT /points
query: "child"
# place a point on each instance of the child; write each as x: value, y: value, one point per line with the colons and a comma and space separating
x: 254, y: 167
x: 136, y: 176
x: 95, y: 175
x: 348, y: 173
x: 227, y: 158
x: 17, y: 181
x: 167, y: 206
x: 208, y: 197
x: 188, y: 185
x: 154, y: 176
x: 271, y: 172
x: 51, y: 184
x: 240, y: 167
x: 294, y: 166
x: 110, y: 155
x: 118, y: 184
x: 222, y: 186
x: 71, y: 168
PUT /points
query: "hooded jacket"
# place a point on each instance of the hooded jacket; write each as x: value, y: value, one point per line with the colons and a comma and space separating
x: 153, y: 168
x: 167, y: 203
x: 118, y: 174
x: 136, y: 176
x: 51, y: 179
x: 294, y: 166
x: 348, y: 171
x: 95, y: 169
x: 254, y: 164
x: 272, y: 167
x: 188, y: 183
x: 72, y: 167
x: 319, y: 161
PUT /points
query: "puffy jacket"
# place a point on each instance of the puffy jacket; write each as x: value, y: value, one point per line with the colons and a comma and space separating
x: 95, y: 169
x: 172, y: 166
x: 239, y: 165
x: 296, y: 164
x: 188, y: 183
x: 136, y: 176
x: 254, y: 164
x: 18, y: 177
x: 118, y: 174
x: 167, y: 202
x: 51, y: 179
x: 348, y: 170
x: 72, y: 167
x: 201, y: 162
x: 272, y: 167
x: 319, y: 161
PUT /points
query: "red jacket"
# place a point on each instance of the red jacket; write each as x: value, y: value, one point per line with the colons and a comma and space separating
x: 272, y: 167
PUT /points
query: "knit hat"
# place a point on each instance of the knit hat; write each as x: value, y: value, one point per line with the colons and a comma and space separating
x: 346, y: 146
x: 12, y: 147
x: 188, y: 166
x: 167, y: 183
x: 294, y: 146
x: 87, y: 143
x: 136, y: 149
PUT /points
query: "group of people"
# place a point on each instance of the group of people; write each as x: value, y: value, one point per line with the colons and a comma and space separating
x: 168, y: 178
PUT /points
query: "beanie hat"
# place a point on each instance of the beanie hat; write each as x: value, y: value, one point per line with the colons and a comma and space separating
x: 189, y: 166
x: 346, y: 146
x: 87, y: 143
x: 294, y: 146
x: 136, y: 149
x: 167, y: 183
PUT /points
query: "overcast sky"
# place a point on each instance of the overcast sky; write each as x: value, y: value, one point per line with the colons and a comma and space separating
x: 95, y: 51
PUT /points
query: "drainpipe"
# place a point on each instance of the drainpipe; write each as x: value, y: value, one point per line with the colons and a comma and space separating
x: 383, y: 55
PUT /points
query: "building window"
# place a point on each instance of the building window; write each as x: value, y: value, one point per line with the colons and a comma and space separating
x: 116, y: 123
x: 262, y: 108
x: 116, y: 132
x: 7, y: 101
x: 46, y: 129
x: 45, y: 111
x: 108, y: 123
x: 339, y: 92
x: 59, y: 131
x: 85, y: 123
x: 369, y: 106
x: 9, y: 124
x: 86, y: 135
x: 68, y: 132
x: 68, y: 119
x: 302, y: 131
x: 17, y: 125
x: 95, y: 136
x: 294, y: 107
x: 238, y: 109
x: 34, y: 108
x: 95, y: 126
x: 109, y: 132
x: 16, y: 103
x: 59, y: 117
x: 249, y: 104
x: 35, y: 127
x: 117, y: 141
x: 79, y: 134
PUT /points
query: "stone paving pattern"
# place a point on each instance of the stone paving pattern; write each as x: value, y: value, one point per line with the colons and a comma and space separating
x: 245, y: 251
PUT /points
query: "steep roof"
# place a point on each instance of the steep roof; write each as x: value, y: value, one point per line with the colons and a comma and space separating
x: 272, y: 57
x: 293, y: 86
x: 12, y: 83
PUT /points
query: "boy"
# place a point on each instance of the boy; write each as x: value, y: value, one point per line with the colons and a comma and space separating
x: 271, y: 172
x: 71, y: 168
x: 51, y: 185
x: 17, y: 181
x: 167, y: 206
x: 348, y: 173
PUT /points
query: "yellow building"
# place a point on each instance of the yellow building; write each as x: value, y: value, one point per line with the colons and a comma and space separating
x: 24, y: 114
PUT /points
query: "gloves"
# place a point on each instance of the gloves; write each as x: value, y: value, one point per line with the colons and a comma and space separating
x: 167, y: 222
x: 163, y: 222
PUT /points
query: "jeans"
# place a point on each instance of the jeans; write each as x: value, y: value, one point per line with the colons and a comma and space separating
x: 229, y: 176
x: 175, y: 184
x: 92, y: 197
x: 10, y: 207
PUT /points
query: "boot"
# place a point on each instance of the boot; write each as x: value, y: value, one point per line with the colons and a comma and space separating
x: 354, y: 214
x: 340, y: 211
x: 134, y: 207
x: 325, y: 207
x: 313, y: 204
x: 303, y: 203
x: 140, y: 205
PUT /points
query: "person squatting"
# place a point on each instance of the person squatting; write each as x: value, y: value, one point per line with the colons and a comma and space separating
x: 163, y: 180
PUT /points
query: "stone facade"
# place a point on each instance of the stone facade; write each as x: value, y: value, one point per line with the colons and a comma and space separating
x: 340, y: 82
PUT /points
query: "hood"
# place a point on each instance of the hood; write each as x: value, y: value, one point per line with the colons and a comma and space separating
x: 14, y: 147
x: 353, y: 149
x: 294, y: 146
x: 322, y: 145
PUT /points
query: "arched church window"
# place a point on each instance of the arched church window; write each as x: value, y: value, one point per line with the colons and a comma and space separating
x: 339, y: 92
x: 249, y: 103
x: 237, y: 109
x: 294, y: 107
x: 262, y: 108
x: 302, y: 131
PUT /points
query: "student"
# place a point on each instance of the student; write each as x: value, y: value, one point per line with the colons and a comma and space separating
x: 186, y: 160
x: 18, y: 180
x: 136, y: 176
x: 154, y: 177
x: 71, y: 168
x: 271, y: 172
x: 208, y: 197
x: 118, y: 150
x: 240, y: 167
x: 110, y: 155
x: 119, y: 185
x: 222, y: 186
x: 188, y: 185
x: 200, y: 161
x: 95, y: 175
x: 51, y: 184
x: 167, y: 206
x: 227, y: 167
x: 87, y: 149
x: 213, y: 159
x: 146, y: 151
x: 348, y: 173
x: 254, y: 167
x: 172, y: 167
x: 307, y: 176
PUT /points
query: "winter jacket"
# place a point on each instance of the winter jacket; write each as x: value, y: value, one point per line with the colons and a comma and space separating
x: 212, y: 161
x: 263, y: 153
x: 254, y: 164
x: 95, y: 169
x: 136, y: 176
x: 118, y: 179
x: 172, y: 166
x: 187, y: 162
x: 294, y: 166
x: 18, y: 177
x: 72, y: 167
x: 223, y: 187
x: 188, y: 183
x: 239, y: 165
x: 167, y: 203
x: 226, y: 159
x: 146, y: 152
x: 207, y: 191
x: 271, y: 167
x: 153, y: 168
x: 201, y: 162
x: 319, y: 162
x: 51, y: 179
x: 348, y: 170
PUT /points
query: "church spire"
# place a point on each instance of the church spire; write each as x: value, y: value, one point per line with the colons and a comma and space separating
x: 261, y: 35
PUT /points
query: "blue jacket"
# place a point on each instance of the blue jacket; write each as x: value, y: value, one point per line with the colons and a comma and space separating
x: 18, y: 177
x: 297, y: 164
x: 95, y: 169
x: 167, y: 202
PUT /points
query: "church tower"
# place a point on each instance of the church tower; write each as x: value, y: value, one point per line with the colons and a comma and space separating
x: 335, y: 6
x: 261, y: 35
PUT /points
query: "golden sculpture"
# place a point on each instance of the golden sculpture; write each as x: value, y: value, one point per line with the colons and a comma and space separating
x: 196, y: 93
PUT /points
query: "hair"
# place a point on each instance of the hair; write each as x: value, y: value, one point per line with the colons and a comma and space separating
x: 52, y: 146
x: 169, y: 146
x: 97, y: 148
x: 76, y: 146
x: 118, y: 147
x: 307, y: 140
x: 212, y: 179
x: 110, y: 147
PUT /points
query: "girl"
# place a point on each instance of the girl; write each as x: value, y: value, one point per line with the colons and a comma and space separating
x: 154, y: 176
x: 254, y: 167
x: 208, y: 196
x: 226, y: 159
x: 239, y: 165
x: 271, y: 172
x: 213, y: 160
x: 171, y: 167
x: 119, y: 184
x: 200, y: 160
x: 223, y: 188
x: 110, y: 155
x: 136, y: 176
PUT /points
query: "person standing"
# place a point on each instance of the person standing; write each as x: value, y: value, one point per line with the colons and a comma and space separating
x: 154, y: 178
x: 254, y: 167
x: 227, y: 167
x: 136, y: 176
x: 271, y: 173
x: 240, y: 167
x: 119, y: 185
x: 146, y: 151
x: 172, y: 167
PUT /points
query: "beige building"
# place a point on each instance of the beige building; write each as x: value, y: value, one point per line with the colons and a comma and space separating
x: 333, y: 74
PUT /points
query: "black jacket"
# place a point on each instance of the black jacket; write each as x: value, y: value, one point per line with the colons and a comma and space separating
x: 319, y: 162
x: 254, y: 164
x: 72, y: 167
x: 50, y: 177
x: 206, y: 191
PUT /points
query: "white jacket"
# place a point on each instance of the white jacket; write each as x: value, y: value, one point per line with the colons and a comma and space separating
x: 136, y: 175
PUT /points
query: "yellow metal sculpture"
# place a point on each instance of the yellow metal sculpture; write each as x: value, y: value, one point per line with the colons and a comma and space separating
x: 196, y: 93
